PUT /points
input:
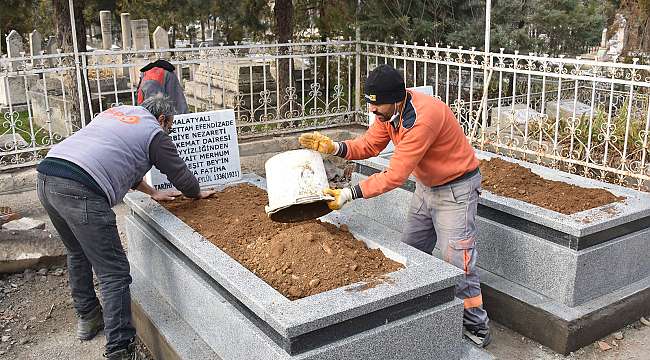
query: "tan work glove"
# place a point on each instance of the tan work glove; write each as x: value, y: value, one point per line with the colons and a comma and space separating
x: 318, y: 142
x: 341, y: 196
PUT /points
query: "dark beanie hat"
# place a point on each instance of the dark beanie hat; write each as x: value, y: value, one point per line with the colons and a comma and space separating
x: 384, y: 85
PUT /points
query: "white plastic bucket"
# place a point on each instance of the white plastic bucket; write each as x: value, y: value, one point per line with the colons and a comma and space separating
x: 295, y: 181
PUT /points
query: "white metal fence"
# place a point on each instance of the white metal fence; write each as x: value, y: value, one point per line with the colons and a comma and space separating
x: 273, y: 88
x: 585, y: 117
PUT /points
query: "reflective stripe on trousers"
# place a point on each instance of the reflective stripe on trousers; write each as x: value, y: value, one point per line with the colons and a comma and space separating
x: 446, y: 216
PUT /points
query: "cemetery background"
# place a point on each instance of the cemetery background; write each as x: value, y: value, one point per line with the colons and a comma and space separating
x: 598, y: 128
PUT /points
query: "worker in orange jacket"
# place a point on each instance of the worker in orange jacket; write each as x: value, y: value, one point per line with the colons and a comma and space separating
x: 430, y: 144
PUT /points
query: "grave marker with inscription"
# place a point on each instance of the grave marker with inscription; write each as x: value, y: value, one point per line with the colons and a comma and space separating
x: 140, y: 33
x: 14, y: 49
x: 106, y: 26
x: 207, y: 141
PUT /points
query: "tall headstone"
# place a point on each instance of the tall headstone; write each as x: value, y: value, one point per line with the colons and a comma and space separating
x: 140, y: 33
x: 127, y: 41
x: 14, y: 48
x: 622, y: 28
x: 35, y: 44
x: 12, y: 90
x: 125, y: 22
x: 50, y: 45
x: 603, y: 38
x: 50, y: 48
x: 160, y: 38
x: 93, y: 34
x: 105, y: 22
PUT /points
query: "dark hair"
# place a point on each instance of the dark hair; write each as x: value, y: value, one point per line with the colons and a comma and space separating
x: 159, y: 104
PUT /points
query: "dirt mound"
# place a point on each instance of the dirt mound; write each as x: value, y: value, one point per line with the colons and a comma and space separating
x: 515, y: 181
x: 298, y: 260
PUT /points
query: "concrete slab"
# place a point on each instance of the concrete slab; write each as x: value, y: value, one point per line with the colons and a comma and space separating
x: 517, y: 115
x: 20, y: 250
x: 566, y: 109
x: 18, y: 180
x: 25, y: 223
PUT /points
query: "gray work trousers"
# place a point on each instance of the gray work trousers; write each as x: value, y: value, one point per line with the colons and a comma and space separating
x: 445, y: 215
x: 88, y: 229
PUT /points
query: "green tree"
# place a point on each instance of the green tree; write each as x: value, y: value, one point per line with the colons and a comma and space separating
x: 569, y: 25
x: 509, y: 26
x: 17, y: 15
x: 402, y: 20
x: 332, y: 18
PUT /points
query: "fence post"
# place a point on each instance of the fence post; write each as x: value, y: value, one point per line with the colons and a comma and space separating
x: 357, y: 69
x: 73, y: 25
x: 487, y: 66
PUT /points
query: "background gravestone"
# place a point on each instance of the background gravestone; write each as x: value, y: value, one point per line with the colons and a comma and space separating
x: 107, y: 36
x: 140, y: 36
x: 127, y: 40
x: 140, y: 33
x: 14, y: 48
x: 50, y: 48
x: 161, y: 40
x: 125, y: 22
x: 35, y: 44
x: 12, y: 87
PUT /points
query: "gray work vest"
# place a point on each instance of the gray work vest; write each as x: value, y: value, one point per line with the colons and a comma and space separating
x: 113, y: 149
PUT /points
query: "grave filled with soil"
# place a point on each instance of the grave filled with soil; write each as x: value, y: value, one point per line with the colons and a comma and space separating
x: 298, y: 260
x: 512, y: 180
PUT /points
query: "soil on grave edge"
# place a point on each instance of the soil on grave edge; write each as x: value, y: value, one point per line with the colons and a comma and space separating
x: 298, y: 260
x: 515, y: 181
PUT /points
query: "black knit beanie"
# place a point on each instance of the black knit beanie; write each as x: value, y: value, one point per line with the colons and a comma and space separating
x: 384, y: 85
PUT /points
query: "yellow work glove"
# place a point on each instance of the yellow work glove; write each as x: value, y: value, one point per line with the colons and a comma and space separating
x: 341, y: 196
x: 318, y: 142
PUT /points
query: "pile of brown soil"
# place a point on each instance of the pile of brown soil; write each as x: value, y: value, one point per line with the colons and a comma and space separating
x: 298, y: 260
x: 515, y: 181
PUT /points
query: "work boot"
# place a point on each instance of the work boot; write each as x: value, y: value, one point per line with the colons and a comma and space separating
x: 480, y: 337
x: 127, y: 353
x: 90, y: 324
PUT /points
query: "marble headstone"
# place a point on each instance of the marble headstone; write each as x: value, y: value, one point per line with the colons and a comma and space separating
x: 160, y: 38
x: 125, y: 22
x: 35, y: 44
x: 106, y: 24
x: 140, y: 33
x: 14, y: 48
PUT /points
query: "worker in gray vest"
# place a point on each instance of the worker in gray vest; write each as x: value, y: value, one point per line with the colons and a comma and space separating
x: 79, y: 182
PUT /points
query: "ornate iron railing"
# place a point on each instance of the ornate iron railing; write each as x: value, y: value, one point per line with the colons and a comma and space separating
x: 582, y: 116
